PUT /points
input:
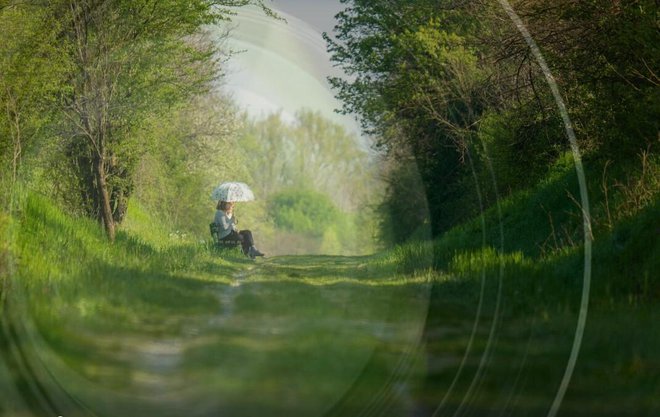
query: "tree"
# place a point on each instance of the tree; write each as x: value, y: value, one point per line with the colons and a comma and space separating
x: 190, y: 152
x: 415, y: 80
x: 130, y: 60
x: 312, y: 153
x: 31, y: 73
x: 267, y: 144
x: 604, y: 55
x: 303, y: 211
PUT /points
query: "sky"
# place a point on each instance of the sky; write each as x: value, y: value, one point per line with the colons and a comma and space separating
x: 317, y: 13
x: 284, y: 66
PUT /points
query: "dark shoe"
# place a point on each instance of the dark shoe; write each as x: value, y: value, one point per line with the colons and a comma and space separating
x: 254, y: 252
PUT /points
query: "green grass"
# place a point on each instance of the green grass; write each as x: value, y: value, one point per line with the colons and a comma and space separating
x: 152, y: 325
x: 502, y: 323
x: 159, y: 324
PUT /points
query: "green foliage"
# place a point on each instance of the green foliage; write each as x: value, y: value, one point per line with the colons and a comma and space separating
x: 404, y: 212
x: 190, y: 152
x: 141, y: 61
x: 303, y: 211
x: 32, y: 71
x: 46, y: 236
x: 607, y: 59
x: 457, y: 89
x: 520, y: 145
x: 321, y: 158
x: 308, y: 222
x: 313, y: 153
x: 417, y: 83
x: 533, y: 245
x: 91, y: 77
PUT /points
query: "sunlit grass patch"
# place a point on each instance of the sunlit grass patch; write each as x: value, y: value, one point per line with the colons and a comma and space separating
x: 148, y: 228
x: 406, y: 258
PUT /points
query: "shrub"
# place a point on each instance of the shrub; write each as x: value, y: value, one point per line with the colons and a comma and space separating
x: 303, y: 211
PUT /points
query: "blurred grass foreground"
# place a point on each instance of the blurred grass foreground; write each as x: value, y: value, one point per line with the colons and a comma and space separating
x: 136, y: 328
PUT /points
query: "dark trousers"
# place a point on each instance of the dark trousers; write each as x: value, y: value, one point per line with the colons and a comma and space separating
x: 245, y: 236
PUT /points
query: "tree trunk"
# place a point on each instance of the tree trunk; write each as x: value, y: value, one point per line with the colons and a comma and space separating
x: 120, y: 206
x: 106, y: 211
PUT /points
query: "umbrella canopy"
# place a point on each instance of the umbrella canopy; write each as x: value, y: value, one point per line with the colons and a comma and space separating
x: 232, y: 191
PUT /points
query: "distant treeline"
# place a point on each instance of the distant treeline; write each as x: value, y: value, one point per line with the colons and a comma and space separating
x: 320, y: 186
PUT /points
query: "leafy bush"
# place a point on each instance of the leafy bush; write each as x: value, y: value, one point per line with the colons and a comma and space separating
x: 303, y: 211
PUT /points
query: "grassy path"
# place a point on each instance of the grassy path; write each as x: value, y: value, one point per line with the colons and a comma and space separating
x: 142, y: 329
x: 319, y: 336
x: 285, y: 336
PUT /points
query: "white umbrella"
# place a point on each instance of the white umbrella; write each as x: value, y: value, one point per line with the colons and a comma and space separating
x: 232, y: 191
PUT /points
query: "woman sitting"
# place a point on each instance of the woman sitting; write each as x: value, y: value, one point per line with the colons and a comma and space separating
x: 227, y: 230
